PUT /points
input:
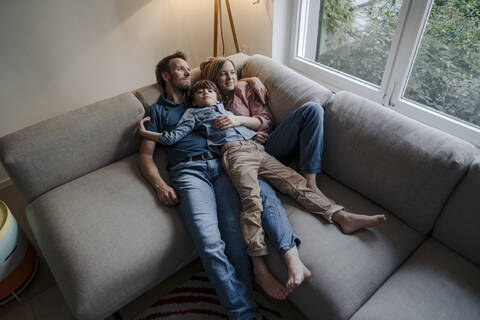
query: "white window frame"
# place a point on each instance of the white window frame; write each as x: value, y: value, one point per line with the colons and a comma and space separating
x: 409, y: 31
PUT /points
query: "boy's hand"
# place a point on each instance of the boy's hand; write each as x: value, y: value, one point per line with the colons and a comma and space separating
x: 141, y: 126
x: 226, y: 121
x: 261, y: 137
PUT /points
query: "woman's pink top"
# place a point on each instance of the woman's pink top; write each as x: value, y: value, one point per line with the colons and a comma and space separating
x: 246, y: 103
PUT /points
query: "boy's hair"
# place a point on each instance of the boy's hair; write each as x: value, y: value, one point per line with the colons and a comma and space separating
x: 204, y: 84
x: 210, y: 70
x: 164, y: 66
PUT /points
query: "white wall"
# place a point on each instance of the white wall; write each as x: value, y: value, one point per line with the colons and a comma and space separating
x: 282, y: 30
x: 58, y: 55
x: 253, y: 25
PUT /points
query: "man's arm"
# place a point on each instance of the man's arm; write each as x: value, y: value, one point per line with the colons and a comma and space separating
x: 149, y: 169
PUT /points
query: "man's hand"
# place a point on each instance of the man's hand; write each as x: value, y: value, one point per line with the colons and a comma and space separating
x: 261, y: 137
x: 141, y: 125
x: 226, y: 121
x: 204, y: 63
x: 258, y: 88
x: 167, y: 195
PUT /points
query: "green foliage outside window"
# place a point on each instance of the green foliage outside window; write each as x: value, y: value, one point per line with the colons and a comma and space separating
x: 446, y: 73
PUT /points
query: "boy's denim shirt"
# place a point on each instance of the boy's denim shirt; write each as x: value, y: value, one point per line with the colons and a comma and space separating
x: 202, y: 119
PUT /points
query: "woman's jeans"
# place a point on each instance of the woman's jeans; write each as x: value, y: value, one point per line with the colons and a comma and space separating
x: 210, y: 209
x: 301, y: 132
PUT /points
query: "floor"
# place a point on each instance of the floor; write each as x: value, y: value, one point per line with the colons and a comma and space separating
x: 42, y: 299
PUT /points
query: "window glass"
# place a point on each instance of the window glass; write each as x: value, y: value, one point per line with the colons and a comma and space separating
x: 446, y: 72
x: 353, y: 36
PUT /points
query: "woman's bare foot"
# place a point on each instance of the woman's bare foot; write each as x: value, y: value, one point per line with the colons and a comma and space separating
x: 266, y: 280
x: 297, y: 271
x: 351, y: 222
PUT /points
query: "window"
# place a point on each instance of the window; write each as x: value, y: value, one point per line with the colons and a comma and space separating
x: 446, y: 72
x: 420, y: 57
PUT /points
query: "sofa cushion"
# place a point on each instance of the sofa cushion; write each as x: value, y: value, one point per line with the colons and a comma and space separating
x: 287, y: 89
x: 346, y: 269
x: 148, y: 95
x: 458, y: 225
x: 55, y: 151
x: 408, y: 168
x: 107, y: 239
x: 435, y: 283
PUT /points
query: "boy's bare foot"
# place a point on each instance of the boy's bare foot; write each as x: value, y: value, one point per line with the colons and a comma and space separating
x: 351, y: 222
x: 297, y: 271
x: 266, y: 280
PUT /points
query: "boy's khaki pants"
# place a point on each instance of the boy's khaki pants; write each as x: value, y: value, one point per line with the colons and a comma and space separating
x: 245, y: 162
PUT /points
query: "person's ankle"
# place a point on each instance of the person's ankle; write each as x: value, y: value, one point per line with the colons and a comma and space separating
x: 340, y: 216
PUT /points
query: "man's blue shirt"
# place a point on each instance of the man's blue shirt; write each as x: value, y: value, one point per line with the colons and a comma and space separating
x: 164, y: 116
x: 201, y: 120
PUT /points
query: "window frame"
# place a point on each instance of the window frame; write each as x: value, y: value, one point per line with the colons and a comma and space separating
x: 405, y: 44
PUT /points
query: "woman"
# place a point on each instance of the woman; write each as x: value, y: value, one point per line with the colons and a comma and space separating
x: 301, y: 132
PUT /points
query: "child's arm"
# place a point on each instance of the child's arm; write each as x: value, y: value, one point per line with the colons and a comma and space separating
x: 146, y: 133
x: 184, y: 126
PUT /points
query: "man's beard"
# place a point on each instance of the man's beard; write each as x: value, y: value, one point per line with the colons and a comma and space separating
x: 182, y: 85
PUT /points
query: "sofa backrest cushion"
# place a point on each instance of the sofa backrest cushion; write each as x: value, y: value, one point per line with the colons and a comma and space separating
x: 287, y: 89
x: 408, y: 168
x: 55, y: 151
x: 459, y: 224
x: 149, y: 95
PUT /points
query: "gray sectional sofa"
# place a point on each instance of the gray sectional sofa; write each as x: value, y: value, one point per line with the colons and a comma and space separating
x: 107, y: 239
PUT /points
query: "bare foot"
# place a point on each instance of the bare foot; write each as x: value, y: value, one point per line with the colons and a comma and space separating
x: 351, y: 222
x: 266, y: 280
x: 297, y: 271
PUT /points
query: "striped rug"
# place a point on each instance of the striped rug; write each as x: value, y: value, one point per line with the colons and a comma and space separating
x: 195, y: 299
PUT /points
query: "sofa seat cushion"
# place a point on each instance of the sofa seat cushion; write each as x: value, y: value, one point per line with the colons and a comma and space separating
x: 346, y: 269
x: 107, y: 239
x: 435, y: 283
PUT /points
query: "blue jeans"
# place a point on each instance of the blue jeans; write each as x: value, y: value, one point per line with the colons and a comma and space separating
x: 210, y: 209
x: 301, y: 132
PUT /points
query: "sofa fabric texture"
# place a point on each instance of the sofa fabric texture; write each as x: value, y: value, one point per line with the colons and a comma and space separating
x: 347, y: 269
x: 459, y: 224
x: 408, y: 168
x: 435, y: 283
x: 106, y: 238
x: 55, y: 151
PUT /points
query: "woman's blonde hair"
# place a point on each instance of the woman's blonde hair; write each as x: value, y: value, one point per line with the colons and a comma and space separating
x: 210, y: 70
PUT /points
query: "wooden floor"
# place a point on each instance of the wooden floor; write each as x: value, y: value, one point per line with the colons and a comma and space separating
x: 42, y: 300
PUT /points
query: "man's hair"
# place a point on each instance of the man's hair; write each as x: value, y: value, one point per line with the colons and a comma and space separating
x: 210, y: 70
x: 204, y: 84
x: 164, y: 66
